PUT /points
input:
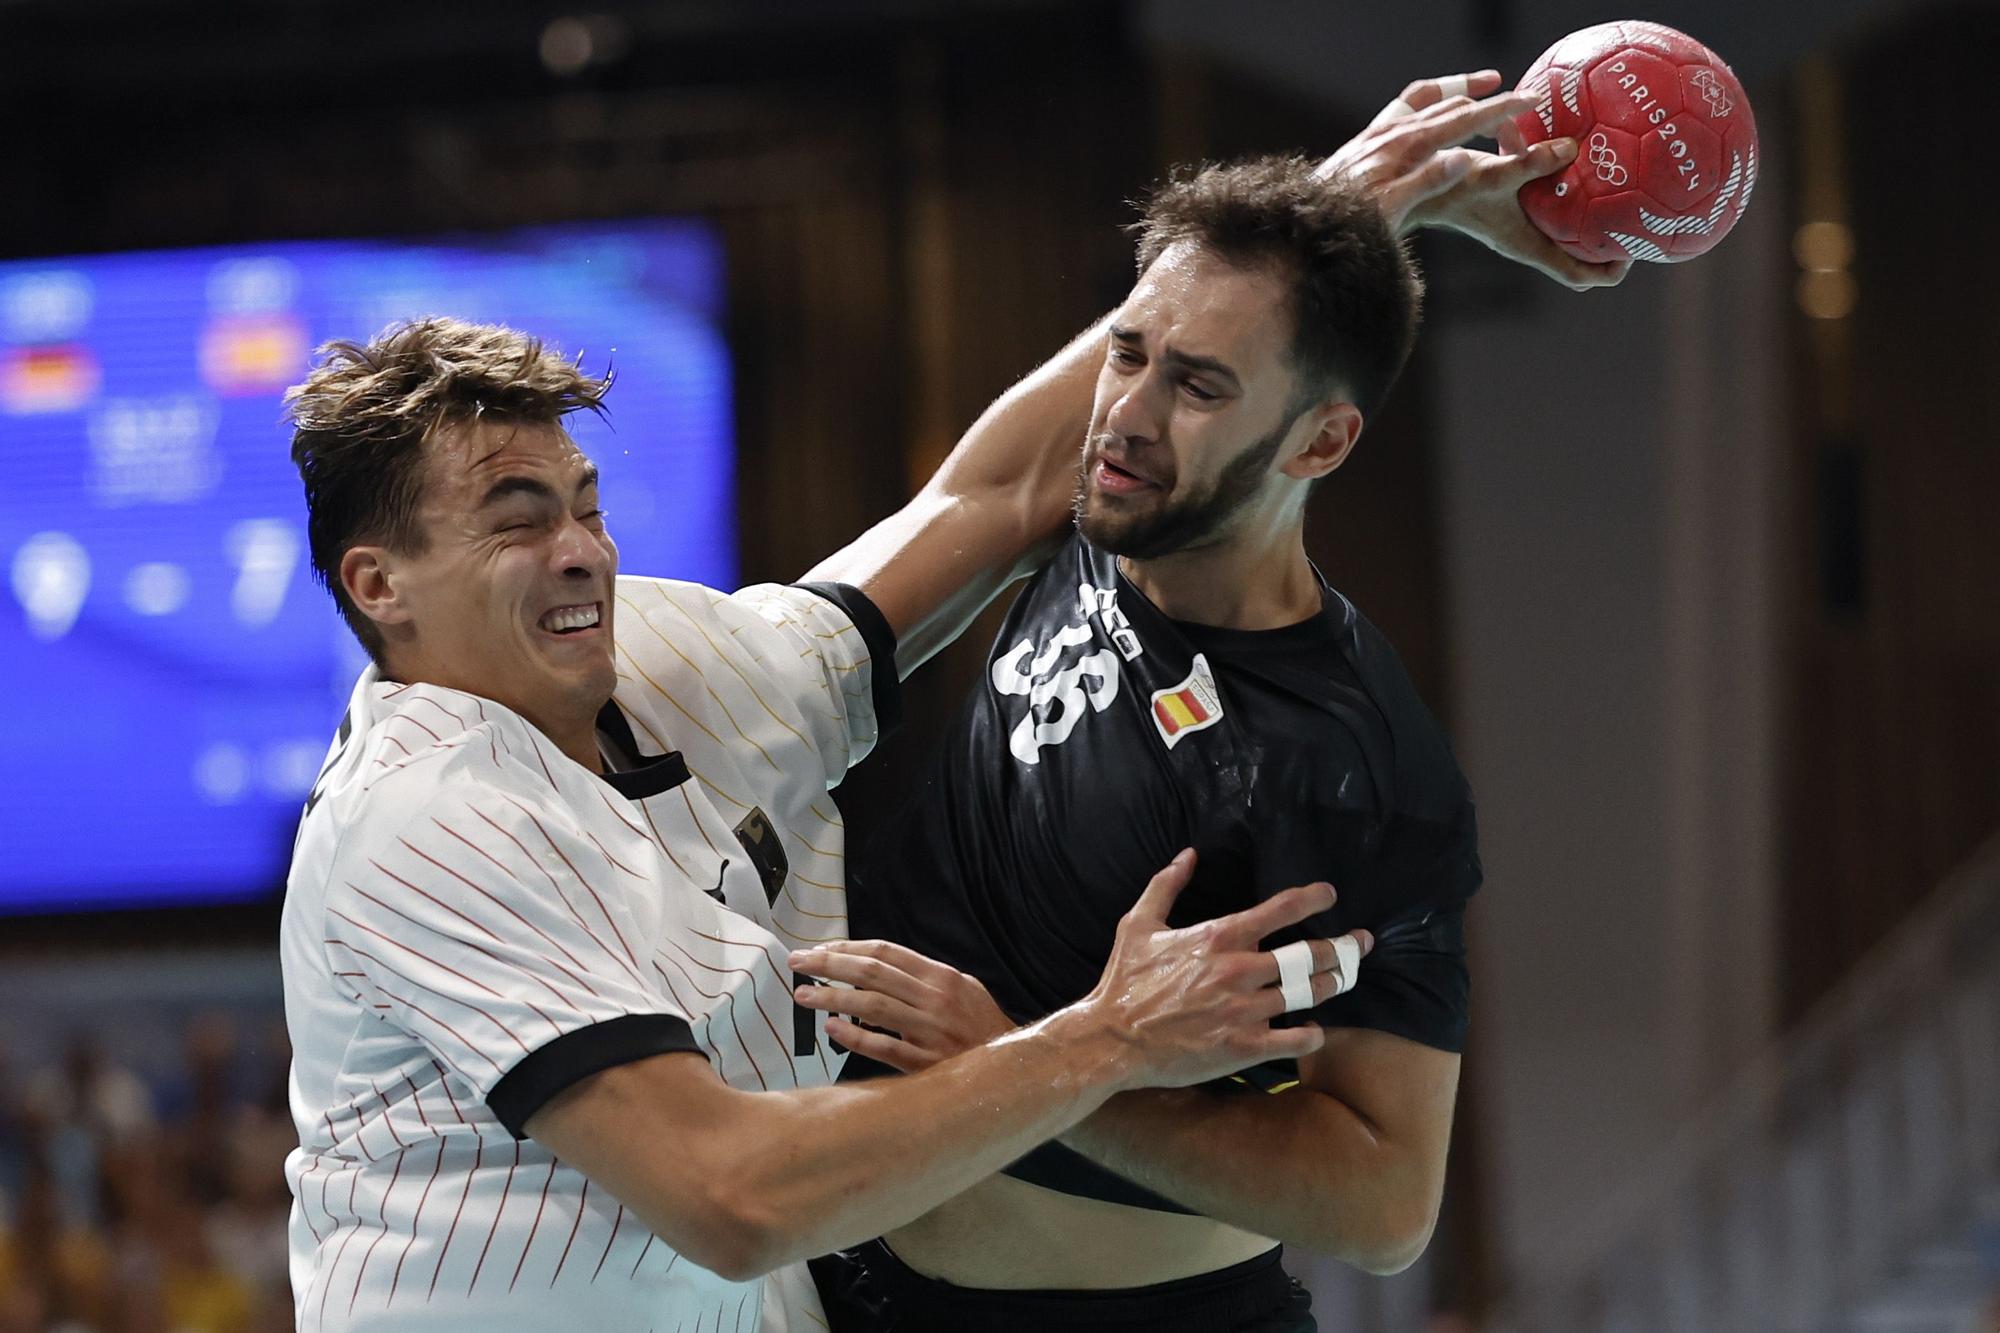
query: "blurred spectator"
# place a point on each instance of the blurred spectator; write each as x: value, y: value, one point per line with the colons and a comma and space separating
x: 89, y: 1092
x: 206, y: 1085
x: 53, y: 1269
x: 86, y: 1107
x: 200, y: 1101
x: 117, y: 1222
x: 246, y: 1227
x: 271, y: 1084
x: 13, y: 1142
x: 22, y: 1308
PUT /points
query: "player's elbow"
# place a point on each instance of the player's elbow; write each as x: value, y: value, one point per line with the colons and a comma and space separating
x: 738, y: 1262
x: 1378, y: 1242
x: 702, y: 1200
x: 1391, y: 1259
x: 728, y: 1234
x: 1399, y: 1239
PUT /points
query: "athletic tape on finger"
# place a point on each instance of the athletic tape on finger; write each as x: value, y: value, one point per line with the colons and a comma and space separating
x: 1346, y: 962
x: 1453, y: 85
x: 1397, y: 109
x: 1295, y: 969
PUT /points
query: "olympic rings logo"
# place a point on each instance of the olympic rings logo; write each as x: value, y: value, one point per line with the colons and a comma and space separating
x: 1609, y: 169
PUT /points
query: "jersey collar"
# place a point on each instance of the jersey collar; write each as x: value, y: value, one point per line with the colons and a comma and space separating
x: 1334, y: 612
x: 649, y: 775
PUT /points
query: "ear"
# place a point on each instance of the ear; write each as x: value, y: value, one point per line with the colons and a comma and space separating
x: 368, y: 573
x: 1335, y: 428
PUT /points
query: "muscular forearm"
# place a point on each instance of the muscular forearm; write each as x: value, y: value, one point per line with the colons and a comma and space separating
x: 1300, y: 1166
x: 991, y: 513
x: 839, y: 1165
x: 1028, y: 443
x: 743, y: 1182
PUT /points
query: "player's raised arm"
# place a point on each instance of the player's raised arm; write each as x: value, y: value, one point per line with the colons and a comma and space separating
x: 992, y: 511
x: 989, y: 515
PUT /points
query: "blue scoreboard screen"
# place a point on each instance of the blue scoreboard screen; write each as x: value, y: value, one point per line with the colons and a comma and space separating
x: 170, y: 675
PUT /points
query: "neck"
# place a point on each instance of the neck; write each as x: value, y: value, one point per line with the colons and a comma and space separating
x: 579, y: 743
x: 574, y: 734
x: 1238, y: 583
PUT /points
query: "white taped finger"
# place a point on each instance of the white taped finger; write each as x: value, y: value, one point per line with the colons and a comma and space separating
x: 1453, y: 85
x: 1295, y: 969
x: 1396, y: 110
x: 1346, y: 962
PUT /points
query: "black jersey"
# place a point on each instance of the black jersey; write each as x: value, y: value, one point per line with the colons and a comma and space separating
x: 1106, y: 737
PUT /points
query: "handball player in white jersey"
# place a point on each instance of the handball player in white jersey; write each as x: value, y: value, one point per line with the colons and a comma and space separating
x: 547, y: 1070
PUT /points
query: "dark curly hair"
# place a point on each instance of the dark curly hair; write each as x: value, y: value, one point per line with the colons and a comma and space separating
x: 1355, y: 295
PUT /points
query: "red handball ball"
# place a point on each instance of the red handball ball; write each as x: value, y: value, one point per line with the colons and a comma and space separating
x: 1666, y: 145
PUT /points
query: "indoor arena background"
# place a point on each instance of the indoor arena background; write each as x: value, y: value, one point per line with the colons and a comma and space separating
x: 1699, y: 572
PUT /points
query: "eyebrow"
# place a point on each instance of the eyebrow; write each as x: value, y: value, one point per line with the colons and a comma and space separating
x: 1186, y: 360
x: 533, y: 486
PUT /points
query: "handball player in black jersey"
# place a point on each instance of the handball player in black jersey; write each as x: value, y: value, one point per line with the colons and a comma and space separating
x: 1180, y: 675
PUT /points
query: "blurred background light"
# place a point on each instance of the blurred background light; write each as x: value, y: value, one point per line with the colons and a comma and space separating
x: 142, y: 412
x: 1827, y: 293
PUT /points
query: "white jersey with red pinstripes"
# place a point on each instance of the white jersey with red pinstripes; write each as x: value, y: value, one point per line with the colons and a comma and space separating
x: 471, y: 915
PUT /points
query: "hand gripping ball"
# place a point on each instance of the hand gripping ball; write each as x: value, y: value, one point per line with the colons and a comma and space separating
x: 1666, y: 145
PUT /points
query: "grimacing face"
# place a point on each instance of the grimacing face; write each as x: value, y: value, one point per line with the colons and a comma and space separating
x: 511, y: 597
x: 1194, y: 413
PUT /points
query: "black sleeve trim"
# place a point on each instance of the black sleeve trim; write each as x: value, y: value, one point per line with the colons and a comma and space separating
x: 881, y: 641
x: 574, y: 1056
x: 1066, y: 1171
x: 1413, y: 985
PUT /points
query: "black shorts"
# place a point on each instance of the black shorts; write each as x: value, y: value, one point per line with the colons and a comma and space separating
x: 869, y: 1290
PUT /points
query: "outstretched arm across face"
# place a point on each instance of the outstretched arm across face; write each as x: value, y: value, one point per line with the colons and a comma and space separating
x: 997, y: 506
x: 991, y: 513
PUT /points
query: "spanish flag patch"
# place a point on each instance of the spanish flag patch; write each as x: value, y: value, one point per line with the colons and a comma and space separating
x: 1189, y: 706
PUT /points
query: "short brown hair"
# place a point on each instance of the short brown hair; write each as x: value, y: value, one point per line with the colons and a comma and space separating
x: 1355, y: 295
x: 366, y: 410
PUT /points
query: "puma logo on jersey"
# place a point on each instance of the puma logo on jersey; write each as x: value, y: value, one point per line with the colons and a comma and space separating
x: 1193, y: 705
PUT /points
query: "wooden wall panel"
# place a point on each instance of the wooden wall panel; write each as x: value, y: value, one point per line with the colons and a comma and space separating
x: 1892, y: 773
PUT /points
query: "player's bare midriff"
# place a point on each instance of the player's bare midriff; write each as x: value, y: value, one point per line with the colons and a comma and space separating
x: 1007, y: 1234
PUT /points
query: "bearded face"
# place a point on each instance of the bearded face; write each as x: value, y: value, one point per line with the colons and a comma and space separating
x: 1195, y: 402
x: 1157, y: 516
